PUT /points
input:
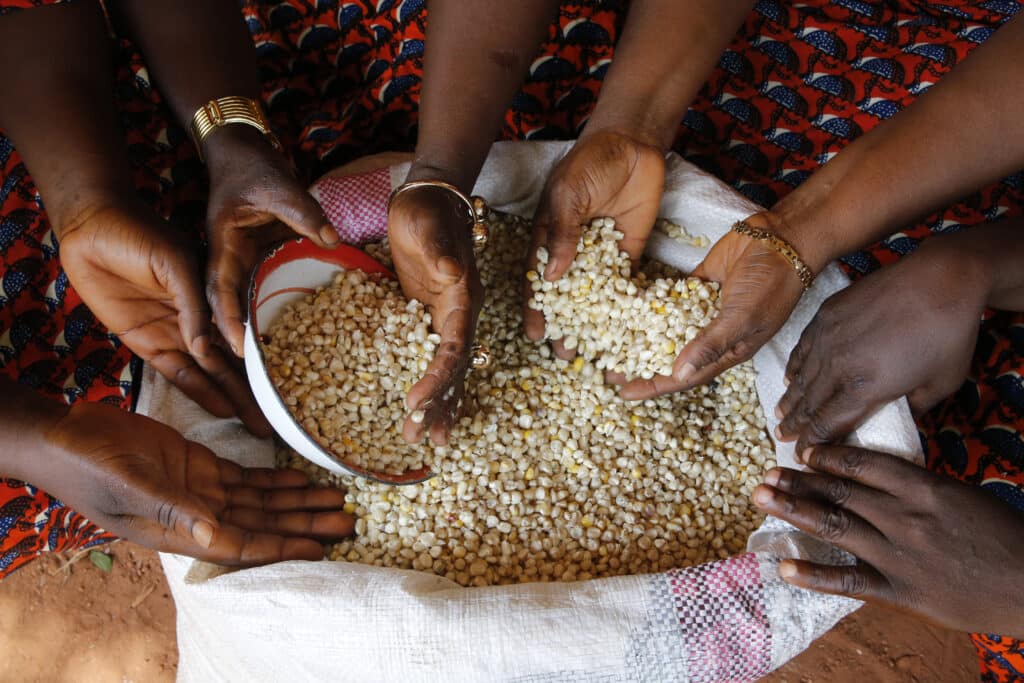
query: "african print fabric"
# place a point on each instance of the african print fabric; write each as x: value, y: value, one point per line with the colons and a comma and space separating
x: 341, y: 80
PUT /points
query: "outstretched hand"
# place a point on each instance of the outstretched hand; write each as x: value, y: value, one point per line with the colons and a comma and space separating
x: 931, y: 546
x: 759, y: 290
x: 145, y: 287
x: 146, y: 483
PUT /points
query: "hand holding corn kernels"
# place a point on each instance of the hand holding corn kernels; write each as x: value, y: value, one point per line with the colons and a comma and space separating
x: 607, y: 174
x: 758, y: 291
x: 432, y: 249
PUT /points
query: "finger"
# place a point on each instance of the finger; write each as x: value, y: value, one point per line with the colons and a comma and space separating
x: 452, y: 354
x: 323, y: 526
x: 822, y: 520
x: 229, y: 378
x: 878, y: 470
x: 193, y: 313
x: 562, y: 230
x: 715, y: 349
x: 803, y: 347
x: 182, y: 371
x: 233, y: 546
x: 533, y: 320
x: 286, y: 500
x: 232, y: 474
x: 558, y: 347
x: 226, y: 287
x: 615, y: 378
x: 297, y: 209
x: 811, y: 396
x: 836, y: 419
x: 866, y: 502
x: 643, y: 389
x: 860, y: 581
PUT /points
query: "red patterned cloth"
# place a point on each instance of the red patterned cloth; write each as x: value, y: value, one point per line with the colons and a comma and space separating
x: 341, y: 80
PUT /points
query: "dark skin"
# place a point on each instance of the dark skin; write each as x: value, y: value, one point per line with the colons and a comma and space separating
x: 836, y: 376
x: 944, y: 551
x: 146, y: 483
x: 130, y: 474
x: 883, y: 181
x: 616, y: 169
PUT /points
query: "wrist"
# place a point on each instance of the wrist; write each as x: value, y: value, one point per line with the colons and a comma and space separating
x: 644, y: 126
x: 228, y: 146
x: 29, y: 418
x: 448, y: 171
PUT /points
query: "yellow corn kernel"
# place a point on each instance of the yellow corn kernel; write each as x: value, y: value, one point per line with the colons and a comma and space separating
x: 636, y: 473
x: 577, y: 364
x: 532, y: 275
x: 530, y: 474
x: 350, y: 508
x: 586, y: 522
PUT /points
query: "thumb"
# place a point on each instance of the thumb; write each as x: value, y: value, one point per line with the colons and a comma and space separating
x: 299, y: 211
x: 562, y: 229
x: 715, y: 349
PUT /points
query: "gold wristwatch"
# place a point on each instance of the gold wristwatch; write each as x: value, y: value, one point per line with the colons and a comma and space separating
x: 224, y: 110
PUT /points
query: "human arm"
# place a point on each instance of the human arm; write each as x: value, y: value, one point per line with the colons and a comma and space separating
x: 144, y: 482
x: 617, y: 167
x: 908, y: 329
x: 198, y: 51
x: 58, y: 108
x: 477, y: 54
x: 964, y: 132
x: 923, y: 542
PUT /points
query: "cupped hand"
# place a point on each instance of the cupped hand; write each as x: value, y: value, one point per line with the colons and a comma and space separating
x: 908, y: 329
x: 758, y: 291
x: 432, y: 249
x: 255, y: 201
x: 144, y: 286
x: 927, y: 545
x: 607, y: 174
x: 146, y: 483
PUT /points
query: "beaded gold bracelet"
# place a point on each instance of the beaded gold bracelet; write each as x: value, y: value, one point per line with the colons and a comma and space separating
x: 475, y: 206
x: 781, y: 245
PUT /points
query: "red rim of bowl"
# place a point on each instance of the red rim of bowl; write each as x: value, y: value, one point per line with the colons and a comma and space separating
x: 348, y: 258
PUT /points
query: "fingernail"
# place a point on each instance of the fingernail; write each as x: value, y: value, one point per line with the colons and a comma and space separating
x: 200, y: 345
x: 778, y: 433
x: 329, y: 235
x: 785, y: 381
x: 787, y: 569
x: 805, y: 454
x: 550, y: 268
x: 762, y: 496
x: 778, y: 412
x: 686, y: 372
x: 771, y: 477
x: 202, y: 533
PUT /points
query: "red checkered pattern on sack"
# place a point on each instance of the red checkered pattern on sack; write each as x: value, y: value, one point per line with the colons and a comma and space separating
x: 722, y: 616
x: 357, y: 206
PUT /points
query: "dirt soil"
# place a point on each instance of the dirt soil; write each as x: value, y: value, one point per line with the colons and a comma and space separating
x: 80, y: 624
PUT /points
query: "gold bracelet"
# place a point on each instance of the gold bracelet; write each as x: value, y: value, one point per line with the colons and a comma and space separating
x: 224, y: 110
x: 476, y: 208
x: 781, y: 245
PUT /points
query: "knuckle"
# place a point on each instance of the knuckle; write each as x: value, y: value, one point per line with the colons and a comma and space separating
x: 838, y: 491
x: 853, y: 582
x: 832, y: 525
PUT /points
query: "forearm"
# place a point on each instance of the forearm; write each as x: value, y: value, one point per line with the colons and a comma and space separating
x: 477, y: 54
x: 666, y: 52
x: 992, y: 254
x: 58, y: 107
x: 965, y: 132
x: 26, y: 417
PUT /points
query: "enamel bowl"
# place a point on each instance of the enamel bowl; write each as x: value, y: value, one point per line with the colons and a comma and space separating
x: 287, y: 274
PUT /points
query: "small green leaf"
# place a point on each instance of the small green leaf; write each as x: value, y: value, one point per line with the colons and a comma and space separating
x: 102, y: 561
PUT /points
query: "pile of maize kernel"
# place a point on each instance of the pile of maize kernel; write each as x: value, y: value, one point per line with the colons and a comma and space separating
x: 630, y: 325
x: 549, y: 475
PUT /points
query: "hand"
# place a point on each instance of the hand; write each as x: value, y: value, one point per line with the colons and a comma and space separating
x: 759, y: 290
x: 909, y: 328
x: 607, y: 174
x: 145, y: 287
x: 931, y: 546
x: 144, y: 482
x: 255, y: 201
x: 432, y: 249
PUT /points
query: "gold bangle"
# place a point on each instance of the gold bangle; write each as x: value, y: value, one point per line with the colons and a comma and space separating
x: 781, y: 245
x: 476, y: 208
x: 225, y: 110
